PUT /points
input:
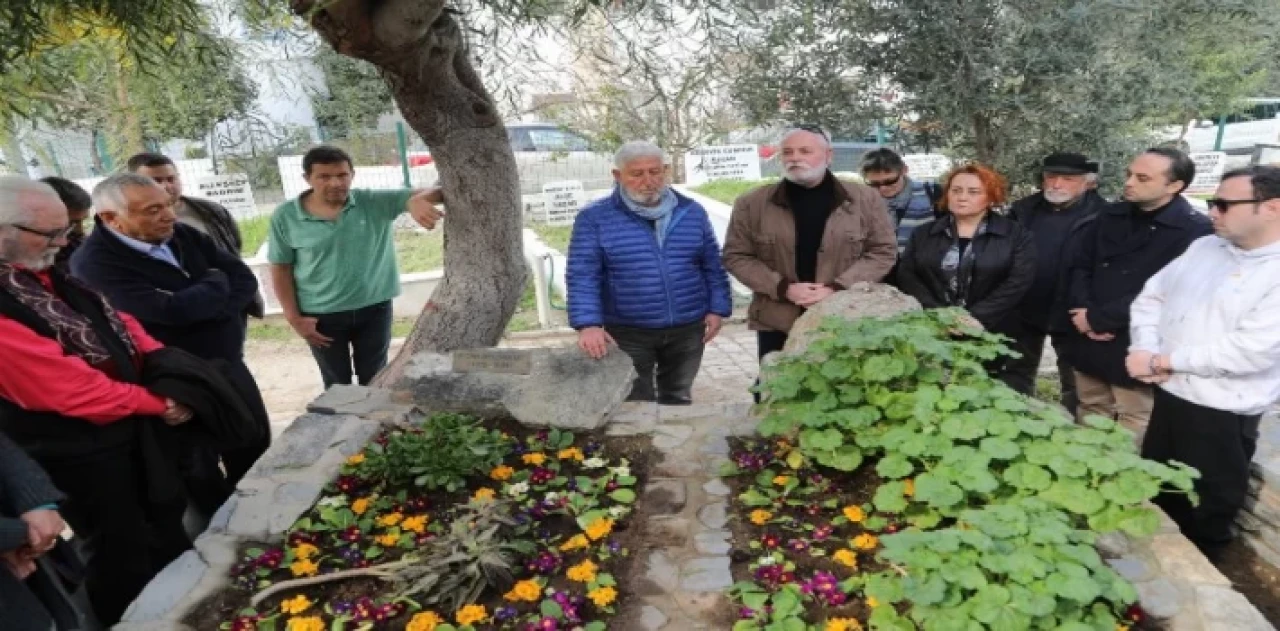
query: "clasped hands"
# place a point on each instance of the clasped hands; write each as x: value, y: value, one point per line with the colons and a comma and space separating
x: 1148, y: 367
x: 807, y: 294
x: 43, y: 528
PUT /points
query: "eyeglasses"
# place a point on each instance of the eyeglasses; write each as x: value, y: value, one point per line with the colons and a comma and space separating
x: 883, y: 183
x: 51, y: 235
x: 1223, y: 205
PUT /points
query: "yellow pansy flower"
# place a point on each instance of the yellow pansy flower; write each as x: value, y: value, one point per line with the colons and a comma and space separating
x: 576, y: 542
x: 854, y: 514
x: 471, y: 614
x: 309, y: 623
x: 388, y: 540
x: 846, y: 557
x: 355, y: 460
x: 842, y: 624
x: 584, y: 572
x: 572, y: 453
x: 501, y: 473
x: 536, y: 459
x: 599, y: 529
x: 416, y: 524
x: 424, y: 621
x: 865, y: 541
x: 305, y: 551
x: 526, y: 590
x: 360, y: 506
x: 390, y: 519
x: 781, y: 480
x: 304, y: 567
x: 760, y: 516
x: 603, y: 596
x: 295, y: 605
x: 485, y: 493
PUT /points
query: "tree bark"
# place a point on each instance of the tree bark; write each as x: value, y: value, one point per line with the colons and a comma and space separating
x: 419, y: 48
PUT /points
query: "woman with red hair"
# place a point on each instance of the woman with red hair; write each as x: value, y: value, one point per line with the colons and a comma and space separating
x: 972, y: 256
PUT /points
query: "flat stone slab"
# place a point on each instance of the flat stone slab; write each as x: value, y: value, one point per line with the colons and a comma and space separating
x: 706, y: 574
x: 167, y: 588
x: 665, y: 496
x: 303, y: 443
x: 1225, y: 608
x: 349, y: 399
x: 662, y: 574
x: 712, y: 542
x: 716, y: 487
x: 559, y: 387
x: 652, y: 618
x: 714, y: 515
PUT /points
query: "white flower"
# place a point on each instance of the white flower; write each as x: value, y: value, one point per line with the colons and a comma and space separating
x: 617, y: 512
x: 551, y: 497
x: 594, y: 463
x: 518, y: 489
x: 333, y: 500
x: 623, y: 472
x: 766, y: 561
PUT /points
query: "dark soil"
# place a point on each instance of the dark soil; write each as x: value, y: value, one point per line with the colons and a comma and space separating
x: 1254, y: 577
x: 628, y: 534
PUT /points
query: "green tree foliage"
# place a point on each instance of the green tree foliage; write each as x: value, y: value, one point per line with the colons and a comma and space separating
x: 1006, y: 83
x: 354, y: 94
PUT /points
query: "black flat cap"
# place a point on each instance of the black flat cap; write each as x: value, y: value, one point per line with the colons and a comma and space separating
x: 1068, y: 164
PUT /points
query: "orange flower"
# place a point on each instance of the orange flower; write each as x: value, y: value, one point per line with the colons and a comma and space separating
x: 854, y: 514
x: 576, y: 542
x: 390, y: 519
x: 760, y: 516
x: 909, y: 488
x: 416, y: 524
x: 501, y: 473
x: 484, y: 494
x: 424, y: 621
x: 355, y: 460
x: 865, y: 541
x: 584, y: 572
x: 526, y: 590
x: 842, y: 624
x: 536, y: 459
x: 295, y: 605
x: 781, y: 480
x: 572, y: 453
x: 309, y: 623
x: 360, y: 506
x: 303, y: 567
x: 846, y: 558
x: 603, y: 596
x: 305, y: 551
x: 471, y: 614
x: 388, y: 540
x: 599, y: 529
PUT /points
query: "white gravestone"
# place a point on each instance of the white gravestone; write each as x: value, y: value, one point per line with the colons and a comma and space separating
x: 722, y: 162
x: 563, y: 201
x: 1210, y: 166
x: 231, y: 190
x: 926, y: 166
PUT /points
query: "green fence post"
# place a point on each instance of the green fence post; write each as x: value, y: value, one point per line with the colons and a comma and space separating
x: 1222, y: 130
x: 879, y: 132
x: 104, y: 154
x: 53, y: 157
x: 403, y: 144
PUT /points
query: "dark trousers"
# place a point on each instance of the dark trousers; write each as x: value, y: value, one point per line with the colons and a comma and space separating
x: 1020, y: 373
x: 125, y: 539
x: 767, y: 342
x: 362, y: 335
x: 668, y: 358
x: 1220, y: 446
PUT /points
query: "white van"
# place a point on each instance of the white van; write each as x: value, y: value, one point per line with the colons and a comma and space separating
x: 1255, y: 127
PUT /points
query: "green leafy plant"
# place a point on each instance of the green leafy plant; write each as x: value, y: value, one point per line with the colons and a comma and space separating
x: 439, y: 454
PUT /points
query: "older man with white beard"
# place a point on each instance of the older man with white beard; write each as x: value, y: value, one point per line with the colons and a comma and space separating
x: 644, y: 274
x: 796, y: 242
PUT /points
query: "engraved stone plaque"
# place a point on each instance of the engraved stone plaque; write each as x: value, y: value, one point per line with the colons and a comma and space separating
x: 503, y: 361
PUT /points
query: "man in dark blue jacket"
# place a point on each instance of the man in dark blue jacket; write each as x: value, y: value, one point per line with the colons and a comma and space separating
x: 1111, y: 258
x: 644, y: 273
x: 185, y: 290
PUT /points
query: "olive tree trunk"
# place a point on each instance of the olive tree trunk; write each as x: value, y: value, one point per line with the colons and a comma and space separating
x: 419, y: 48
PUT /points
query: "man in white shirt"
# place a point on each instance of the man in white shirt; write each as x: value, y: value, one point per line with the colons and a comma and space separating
x: 1206, y: 328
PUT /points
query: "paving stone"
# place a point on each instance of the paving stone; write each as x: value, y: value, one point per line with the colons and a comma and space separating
x: 715, y: 465
x: 167, y: 588
x: 1134, y: 569
x: 662, y: 576
x: 714, y: 515
x: 678, y: 468
x: 1113, y: 545
x: 671, y: 437
x: 673, y: 532
x: 678, y: 413
x: 1225, y: 608
x: 712, y: 542
x: 1179, y: 558
x: 1161, y: 599
x: 715, y: 445
x: 635, y: 412
x: 706, y: 574
x: 652, y: 618
x: 665, y: 496
x: 716, y: 487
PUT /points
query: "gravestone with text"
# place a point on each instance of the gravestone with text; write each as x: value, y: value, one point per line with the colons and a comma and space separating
x: 563, y: 200
x: 722, y: 162
x: 1210, y: 166
x: 926, y: 166
x: 232, y: 191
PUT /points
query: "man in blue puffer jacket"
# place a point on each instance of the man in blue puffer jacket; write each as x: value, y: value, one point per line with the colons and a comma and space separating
x: 644, y: 274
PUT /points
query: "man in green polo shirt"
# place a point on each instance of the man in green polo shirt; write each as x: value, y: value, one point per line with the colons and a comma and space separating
x: 333, y: 264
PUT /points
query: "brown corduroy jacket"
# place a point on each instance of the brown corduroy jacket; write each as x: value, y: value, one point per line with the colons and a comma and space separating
x: 858, y: 245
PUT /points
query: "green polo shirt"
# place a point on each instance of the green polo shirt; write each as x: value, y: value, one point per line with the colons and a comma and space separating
x: 343, y: 264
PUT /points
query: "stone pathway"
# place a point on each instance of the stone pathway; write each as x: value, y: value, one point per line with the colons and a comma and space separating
x: 687, y: 570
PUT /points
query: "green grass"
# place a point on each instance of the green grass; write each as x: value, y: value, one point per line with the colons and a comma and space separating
x: 419, y: 251
x: 253, y: 233
x: 728, y: 190
x: 1048, y: 389
x: 556, y: 237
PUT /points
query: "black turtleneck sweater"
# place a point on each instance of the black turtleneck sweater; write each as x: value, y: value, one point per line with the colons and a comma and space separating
x: 810, y: 207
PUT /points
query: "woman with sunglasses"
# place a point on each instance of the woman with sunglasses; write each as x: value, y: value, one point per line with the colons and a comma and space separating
x: 972, y: 256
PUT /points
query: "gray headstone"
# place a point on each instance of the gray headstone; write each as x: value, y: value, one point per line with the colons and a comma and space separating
x: 562, y: 388
x: 862, y: 300
x: 167, y: 588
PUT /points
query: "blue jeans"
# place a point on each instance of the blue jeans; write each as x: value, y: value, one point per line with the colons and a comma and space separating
x: 362, y: 334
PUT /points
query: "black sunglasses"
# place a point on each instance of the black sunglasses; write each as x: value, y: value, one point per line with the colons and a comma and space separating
x: 51, y: 235
x: 1223, y: 205
x: 883, y: 183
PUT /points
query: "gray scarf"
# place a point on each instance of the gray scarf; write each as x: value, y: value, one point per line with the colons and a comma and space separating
x: 660, y: 214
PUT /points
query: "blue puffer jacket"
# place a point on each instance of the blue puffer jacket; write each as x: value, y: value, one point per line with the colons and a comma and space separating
x: 617, y: 274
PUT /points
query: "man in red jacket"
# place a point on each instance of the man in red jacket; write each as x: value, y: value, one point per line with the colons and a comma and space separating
x: 69, y: 395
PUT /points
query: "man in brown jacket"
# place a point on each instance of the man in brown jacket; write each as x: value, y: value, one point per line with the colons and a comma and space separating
x: 796, y: 242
